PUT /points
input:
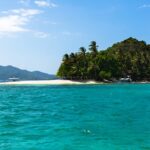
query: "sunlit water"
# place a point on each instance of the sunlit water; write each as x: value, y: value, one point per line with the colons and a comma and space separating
x: 91, y: 117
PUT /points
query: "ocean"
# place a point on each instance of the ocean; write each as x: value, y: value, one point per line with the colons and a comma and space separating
x: 75, y: 117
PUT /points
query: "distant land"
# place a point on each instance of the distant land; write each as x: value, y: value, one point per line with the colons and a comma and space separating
x: 7, y: 72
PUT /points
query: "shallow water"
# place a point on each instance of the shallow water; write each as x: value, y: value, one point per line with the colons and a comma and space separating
x: 84, y: 117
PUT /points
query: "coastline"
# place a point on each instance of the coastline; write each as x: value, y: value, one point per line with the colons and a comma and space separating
x: 51, y: 82
x: 64, y: 82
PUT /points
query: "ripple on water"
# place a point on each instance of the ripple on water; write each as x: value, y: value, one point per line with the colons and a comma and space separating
x: 75, y: 117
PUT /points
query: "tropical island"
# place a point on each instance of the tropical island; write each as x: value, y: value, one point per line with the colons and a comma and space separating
x: 130, y: 57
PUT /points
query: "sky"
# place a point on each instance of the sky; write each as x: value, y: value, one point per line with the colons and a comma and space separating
x: 35, y: 34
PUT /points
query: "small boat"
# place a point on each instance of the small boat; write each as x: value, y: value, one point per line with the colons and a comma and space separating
x: 13, y: 79
x: 127, y: 79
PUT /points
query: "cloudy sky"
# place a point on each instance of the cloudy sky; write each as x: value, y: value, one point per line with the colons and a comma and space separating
x: 34, y: 34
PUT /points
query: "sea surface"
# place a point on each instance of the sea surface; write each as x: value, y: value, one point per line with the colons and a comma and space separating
x: 79, y: 117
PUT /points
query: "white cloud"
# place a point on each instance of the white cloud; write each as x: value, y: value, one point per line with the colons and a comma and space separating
x: 42, y: 3
x: 24, y: 2
x: 145, y: 6
x: 24, y: 12
x: 16, y: 20
x: 67, y: 33
x: 41, y: 34
x: 12, y: 23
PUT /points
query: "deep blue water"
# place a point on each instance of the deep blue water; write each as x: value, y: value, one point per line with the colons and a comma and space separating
x: 89, y: 117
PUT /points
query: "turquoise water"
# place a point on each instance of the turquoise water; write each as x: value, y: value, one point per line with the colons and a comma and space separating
x: 95, y: 117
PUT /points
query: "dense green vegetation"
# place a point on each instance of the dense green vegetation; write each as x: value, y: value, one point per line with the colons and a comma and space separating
x: 129, y: 57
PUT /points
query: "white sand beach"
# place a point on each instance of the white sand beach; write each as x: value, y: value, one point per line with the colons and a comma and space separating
x: 49, y: 82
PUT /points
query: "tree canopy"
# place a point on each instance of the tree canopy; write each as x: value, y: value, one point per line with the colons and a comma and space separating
x: 127, y: 58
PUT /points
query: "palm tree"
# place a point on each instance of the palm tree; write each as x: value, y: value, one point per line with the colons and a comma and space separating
x: 94, y: 53
x: 82, y: 50
x: 93, y: 47
x: 66, y: 57
x: 83, y: 63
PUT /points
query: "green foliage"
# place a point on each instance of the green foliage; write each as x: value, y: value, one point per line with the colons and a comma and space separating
x: 104, y: 75
x: 129, y: 57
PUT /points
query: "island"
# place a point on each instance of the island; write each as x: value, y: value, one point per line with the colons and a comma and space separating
x: 127, y: 59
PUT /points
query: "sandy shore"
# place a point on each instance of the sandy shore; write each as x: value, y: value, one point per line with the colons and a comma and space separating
x: 49, y: 82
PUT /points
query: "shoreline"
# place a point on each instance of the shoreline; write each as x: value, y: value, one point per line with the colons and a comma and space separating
x: 64, y: 82
x: 50, y: 82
